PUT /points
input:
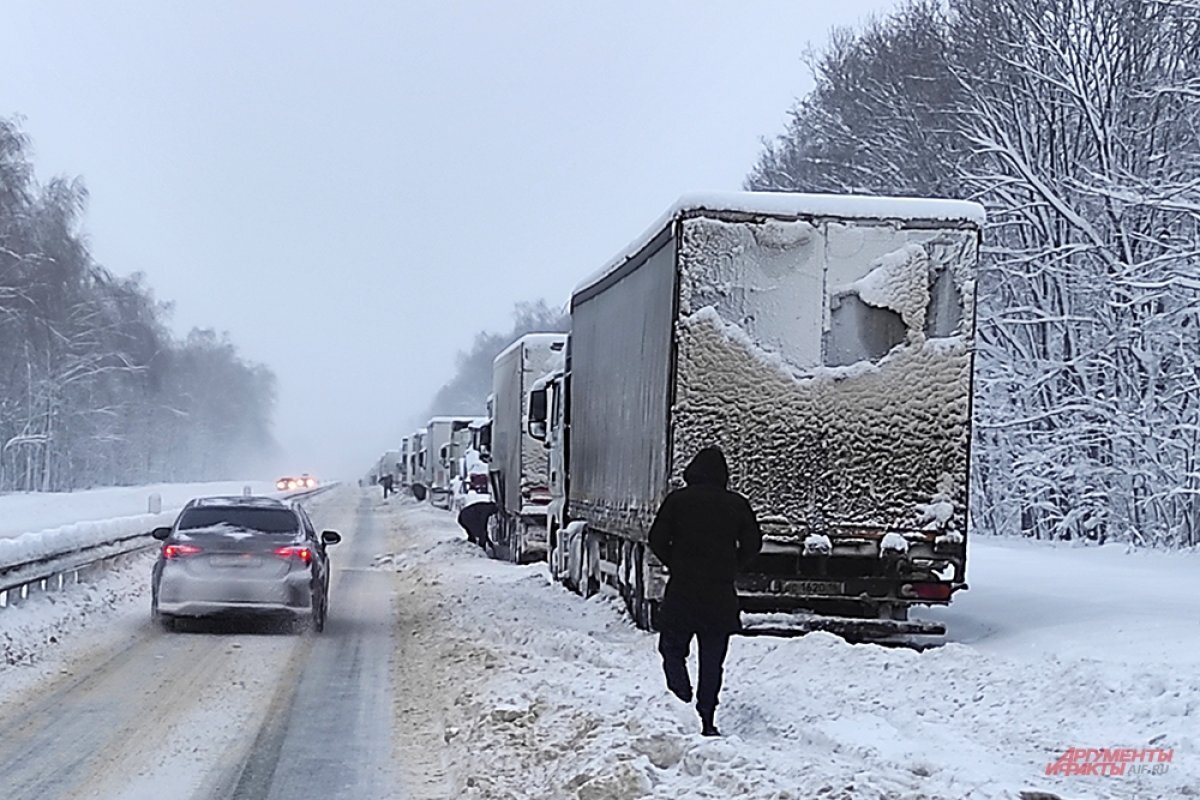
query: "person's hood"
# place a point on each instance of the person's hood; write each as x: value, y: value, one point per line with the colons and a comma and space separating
x: 708, y: 468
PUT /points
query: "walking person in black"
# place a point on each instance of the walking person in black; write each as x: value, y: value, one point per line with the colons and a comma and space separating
x: 387, y: 482
x: 704, y: 534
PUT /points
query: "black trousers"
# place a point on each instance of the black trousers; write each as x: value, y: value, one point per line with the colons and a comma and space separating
x: 474, y: 520
x: 674, y: 645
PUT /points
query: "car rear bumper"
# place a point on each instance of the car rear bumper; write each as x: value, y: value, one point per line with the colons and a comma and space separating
x: 187, y: 595
x: 210, y: 608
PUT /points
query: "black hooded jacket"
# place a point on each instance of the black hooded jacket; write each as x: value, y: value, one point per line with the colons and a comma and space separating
x: 704, y: 534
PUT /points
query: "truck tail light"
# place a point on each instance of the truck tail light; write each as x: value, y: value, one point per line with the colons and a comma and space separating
x: 927, y: 591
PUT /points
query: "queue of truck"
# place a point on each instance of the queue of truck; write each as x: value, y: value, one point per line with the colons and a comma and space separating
x: 825, y: 343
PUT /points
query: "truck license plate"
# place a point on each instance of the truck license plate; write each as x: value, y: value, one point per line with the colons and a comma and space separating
x: 808, y: 588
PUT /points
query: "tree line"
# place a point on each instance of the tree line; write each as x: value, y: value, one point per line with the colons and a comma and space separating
x: 1077, y: 124
x: 94, y: 390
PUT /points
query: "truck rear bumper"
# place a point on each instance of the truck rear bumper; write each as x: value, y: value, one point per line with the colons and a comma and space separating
x: 851, y: 595
x: 850, y: 628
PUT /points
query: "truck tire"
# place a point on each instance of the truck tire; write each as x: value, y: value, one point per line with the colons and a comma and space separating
x: 516, y: 541
x: 645, y: 610
x: 589, y: 552
x: 553, y: 554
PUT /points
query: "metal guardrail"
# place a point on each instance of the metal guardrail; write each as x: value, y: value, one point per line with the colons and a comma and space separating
x: 58, y: 570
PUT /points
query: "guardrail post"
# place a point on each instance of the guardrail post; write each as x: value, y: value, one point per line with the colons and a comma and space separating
x: 246, y: 491
x: 155, y: 504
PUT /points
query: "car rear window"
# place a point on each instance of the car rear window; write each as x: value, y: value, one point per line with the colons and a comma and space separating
x: 264, y: 520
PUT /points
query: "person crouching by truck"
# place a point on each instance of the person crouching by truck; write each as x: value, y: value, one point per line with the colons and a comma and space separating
x: 704, y: 534
x: 474, y: 520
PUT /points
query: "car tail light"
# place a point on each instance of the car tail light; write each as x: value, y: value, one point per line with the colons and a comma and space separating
x: 479, y: 483
x: 931, y: 591
x: 302, y: 553
x: 180, y: 550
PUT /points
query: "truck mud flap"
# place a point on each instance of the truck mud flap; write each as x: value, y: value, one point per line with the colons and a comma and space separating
x: 853, y: 629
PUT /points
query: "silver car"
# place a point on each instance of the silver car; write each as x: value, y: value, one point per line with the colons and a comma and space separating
x: 237, y: 556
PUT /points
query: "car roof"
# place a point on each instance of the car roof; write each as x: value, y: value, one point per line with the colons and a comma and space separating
x: 238, y: 501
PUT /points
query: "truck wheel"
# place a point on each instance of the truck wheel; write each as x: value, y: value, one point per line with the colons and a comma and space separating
x: 516, y: 542
x: 491, y: 544
x: 553, y: 554
x: 627, y: 577
x: 645, y: 610
x: 588, y: 585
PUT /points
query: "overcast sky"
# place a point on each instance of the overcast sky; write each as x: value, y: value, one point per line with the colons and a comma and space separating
x: 352, y: 190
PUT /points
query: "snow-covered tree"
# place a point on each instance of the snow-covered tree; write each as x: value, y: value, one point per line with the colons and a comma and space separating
x: 1076, y: 122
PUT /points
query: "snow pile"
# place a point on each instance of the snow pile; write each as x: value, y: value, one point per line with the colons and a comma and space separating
x: 558, y: 697
x: 42, y: 544
x: 24, y: 512
x: 893, y: 543
x: 32, y: 633
x: 817, y: 544
x: 899, y: 281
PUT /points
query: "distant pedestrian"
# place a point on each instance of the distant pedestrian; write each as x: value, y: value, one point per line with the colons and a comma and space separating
x: 387, y: 482
x: 704, y: 534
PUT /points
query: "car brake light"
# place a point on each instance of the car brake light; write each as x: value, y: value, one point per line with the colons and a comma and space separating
x: 302, y: 553
x: 179, y: 550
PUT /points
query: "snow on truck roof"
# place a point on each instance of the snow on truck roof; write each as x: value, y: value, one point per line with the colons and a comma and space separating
x: 796, y: 204
x: 546, y: 339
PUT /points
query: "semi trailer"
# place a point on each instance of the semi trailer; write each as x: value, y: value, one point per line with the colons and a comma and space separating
x: 826, y: 344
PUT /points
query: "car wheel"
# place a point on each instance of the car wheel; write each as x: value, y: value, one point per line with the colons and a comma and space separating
x: 320, y: 608
x: 165, y: 622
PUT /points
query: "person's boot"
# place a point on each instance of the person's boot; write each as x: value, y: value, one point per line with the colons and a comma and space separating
x: 682, y: 691
x: 708, y: 726
x: 678, y: 681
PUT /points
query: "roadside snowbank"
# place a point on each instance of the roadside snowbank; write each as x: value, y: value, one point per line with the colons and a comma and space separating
x: 38, y: 636
x: 563, y: 698
x: 27, y: 512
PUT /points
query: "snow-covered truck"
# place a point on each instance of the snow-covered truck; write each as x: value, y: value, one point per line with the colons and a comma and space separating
x: 825, y: 343
x: 405, y: 461
x: 439, y: 459
x: 389, y: 463
x: 418, y: 478
x: 517, y: 465
x: 473, y: 484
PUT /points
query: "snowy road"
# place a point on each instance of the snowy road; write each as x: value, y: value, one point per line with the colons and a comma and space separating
x: 221, y: 712
x: 443, y: 674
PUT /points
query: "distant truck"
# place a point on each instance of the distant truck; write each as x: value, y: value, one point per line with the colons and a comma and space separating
x: 472, y: 483
x: 517, y: 465
x: 405, y: 475
x: 826, y: 345
x: 439, y: 456
x: 389, y: 463
x: 418, y: 480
